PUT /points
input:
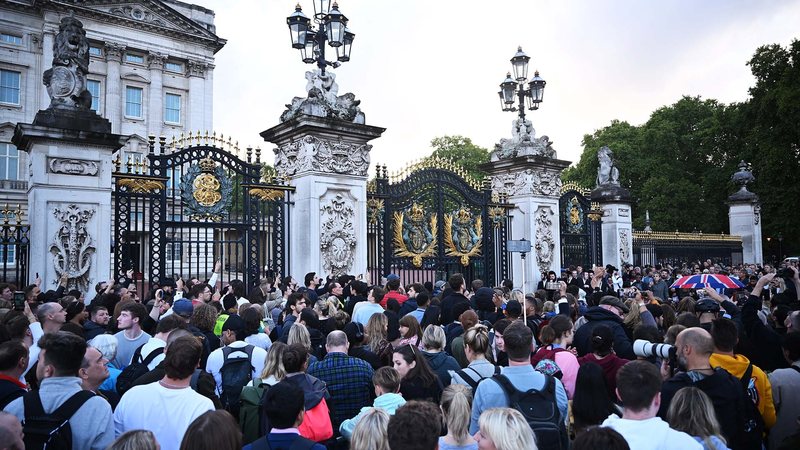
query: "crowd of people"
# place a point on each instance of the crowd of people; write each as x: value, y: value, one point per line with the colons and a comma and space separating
x: 593, y: 359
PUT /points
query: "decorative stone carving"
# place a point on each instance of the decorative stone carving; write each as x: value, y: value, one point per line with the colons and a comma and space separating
x: 529, y: 181
x: 156, y: 60
x: 197, y: 68
x: 72, y: 247
x: 545, y: 242
x: 323, y: 101
x: 312, y: 154
x: 113, y: 51
x: 523, y: 142
x: 137, y: 13
x: 72, y: 166
x: 66, y: 80
x: 742, y: 178
x: 337, y: 236
x: 607, y: 173
x: 624, y: 249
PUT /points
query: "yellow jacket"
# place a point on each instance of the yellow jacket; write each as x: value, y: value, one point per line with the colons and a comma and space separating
x: 736, y: 366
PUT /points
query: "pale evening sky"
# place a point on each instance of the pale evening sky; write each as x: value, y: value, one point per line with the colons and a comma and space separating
x: 428, y: 68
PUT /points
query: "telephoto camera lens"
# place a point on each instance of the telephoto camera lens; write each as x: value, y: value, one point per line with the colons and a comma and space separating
x: 646, y: 349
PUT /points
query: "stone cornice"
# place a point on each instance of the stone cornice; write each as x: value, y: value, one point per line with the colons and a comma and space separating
x: 191, y: 31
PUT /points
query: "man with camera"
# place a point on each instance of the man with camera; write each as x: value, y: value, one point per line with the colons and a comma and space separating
x: 694, y: 347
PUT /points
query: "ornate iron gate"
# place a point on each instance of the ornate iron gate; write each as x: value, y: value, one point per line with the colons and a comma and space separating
x: 433, y: 220
x: 580, y: 228
x: 194, y: 203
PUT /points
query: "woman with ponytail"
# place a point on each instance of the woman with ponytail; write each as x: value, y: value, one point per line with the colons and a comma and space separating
x: 555, y: 337
x: 476, y: 345
x: 602, y: 344
x: 456, y: 409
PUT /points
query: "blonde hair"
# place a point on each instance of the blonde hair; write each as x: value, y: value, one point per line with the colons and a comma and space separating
x: 375, y: 331
x: 548, y: 306
x: 433, y: 338
x: 370, y: 432
x: 457, y: 408
x: 135, y: 440
x: 633, y: 318
x: 298, y: 334
x: 477, y: 339
x: 273, y: 365
x: 507, y: 429
x: 692, y: 412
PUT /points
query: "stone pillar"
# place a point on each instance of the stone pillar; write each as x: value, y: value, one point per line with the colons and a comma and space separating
x: 744, y: 216
x: 155, y: 113
x: 208, y: 119
x: 69, y: 195
x: 533, y: 185
x: 47, y: 60
x: 326, y: 160
x: 115, y: 96
x: 616, y: 227
x: 197, y: 108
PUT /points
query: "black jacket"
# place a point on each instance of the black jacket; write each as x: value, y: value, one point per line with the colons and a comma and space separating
x: 92, y: 330
x: 407, y: 307
x: 727, y: 396
x: 598, y: 316
x: 448, y: 304
x: 9, y: 392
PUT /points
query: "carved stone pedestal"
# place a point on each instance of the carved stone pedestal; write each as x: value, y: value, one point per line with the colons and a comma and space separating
x: 617, y: 225
x: 69, y: 200
x: 327, y: 161
x: 532, y: 184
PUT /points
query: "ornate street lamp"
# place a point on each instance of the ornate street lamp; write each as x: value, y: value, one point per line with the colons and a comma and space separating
x: 517, y: 94
x: 331, y: 29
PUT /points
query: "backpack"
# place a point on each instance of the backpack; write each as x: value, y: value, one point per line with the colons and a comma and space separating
x: 471, y: 381
x: 50, y: 431
x: 137, y: 368
x: 250, y: 410
x: 752, y: 431
x: 544, y: 361
x: 235, y: 374
x: 540, y: 411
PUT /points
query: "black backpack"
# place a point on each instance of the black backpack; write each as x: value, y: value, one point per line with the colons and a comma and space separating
x: 540, y: 410
x: 138, y: 367
x: 235, y: 374
x: 752, y: 431
x: 471, y: 381
x: 50, y: 431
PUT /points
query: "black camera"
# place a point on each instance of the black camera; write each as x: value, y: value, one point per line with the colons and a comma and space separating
x: 787, y: 273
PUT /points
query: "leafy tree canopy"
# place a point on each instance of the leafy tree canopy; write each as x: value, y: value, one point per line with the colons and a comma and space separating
x: 678, y: 164
x: 462, y: 151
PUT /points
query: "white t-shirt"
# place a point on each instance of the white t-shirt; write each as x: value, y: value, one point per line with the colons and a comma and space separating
x: 153, y: 344
x: 651, y: 434
x: 33, y: 352
x: 259, y: 340
x: 166, y: 412
x: 217, y: 358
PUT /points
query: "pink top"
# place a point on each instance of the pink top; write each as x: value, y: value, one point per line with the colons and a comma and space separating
x: 569, y: 366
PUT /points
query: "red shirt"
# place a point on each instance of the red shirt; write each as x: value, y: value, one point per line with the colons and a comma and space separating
x: 395, y: 295
x: 14, y: 380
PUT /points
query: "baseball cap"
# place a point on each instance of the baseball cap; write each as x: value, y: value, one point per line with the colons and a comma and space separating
x: 182, y: 307
x: 392, y: 276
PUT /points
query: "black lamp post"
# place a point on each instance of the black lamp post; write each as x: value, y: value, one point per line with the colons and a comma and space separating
x: 514, y: 94
x: 331, y: 28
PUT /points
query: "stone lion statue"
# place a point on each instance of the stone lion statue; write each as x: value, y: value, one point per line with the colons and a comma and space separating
x: 66, y: 80
x: 323, y: 101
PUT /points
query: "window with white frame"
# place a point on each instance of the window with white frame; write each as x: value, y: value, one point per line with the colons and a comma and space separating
x: 134, y: 58
x: 133, y: 102
x: 172, y: 66
x: 93, y: 86
x: 8, y: 253
x: 172, y: 108
x: 9, y: 162
x: 9, y: 86
x: 10, y: 38
x: 95, y: 51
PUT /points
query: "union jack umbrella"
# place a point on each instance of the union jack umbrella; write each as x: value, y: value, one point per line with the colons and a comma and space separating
x: 713, y: 281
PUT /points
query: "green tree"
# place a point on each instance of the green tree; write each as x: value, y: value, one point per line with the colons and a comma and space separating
x: 462, y: 151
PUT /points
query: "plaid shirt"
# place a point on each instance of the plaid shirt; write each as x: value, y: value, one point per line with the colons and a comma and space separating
x: 349, y: 382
